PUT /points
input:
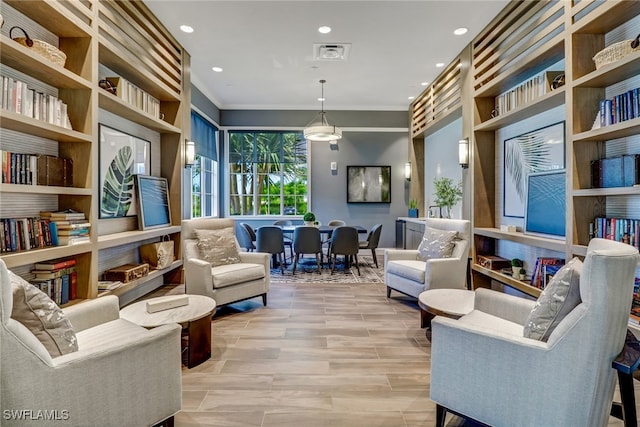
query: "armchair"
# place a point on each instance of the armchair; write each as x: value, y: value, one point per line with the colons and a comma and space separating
x: 121, y: 374
x: 407, y: 273
x: 483, y: 367
x: 225, y: 283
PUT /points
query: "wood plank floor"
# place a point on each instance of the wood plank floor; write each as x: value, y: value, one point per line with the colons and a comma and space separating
x: 318, y: 355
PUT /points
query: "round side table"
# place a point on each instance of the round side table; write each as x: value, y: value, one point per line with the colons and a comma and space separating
x: 453, y: 303
x: 194, y: 317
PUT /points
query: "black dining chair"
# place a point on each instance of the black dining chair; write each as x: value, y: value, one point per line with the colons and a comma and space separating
x: 269, y: 239
x: 244, y: 238
x: 344, y: 241
x: 372, y: 241
x: 250, y: 231
x: 306, y: 240
x: 287, y: 240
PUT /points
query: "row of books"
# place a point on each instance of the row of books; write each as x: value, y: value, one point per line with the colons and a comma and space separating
x: 634, y: 315
x: 526, y: 92
x: 36, y: 169
x: 57, y: 278
x: 23, y: 234
x: 620, y: 229
x: 135, y: 96
x: 544, y: 270
x: 17, y: 97
x: 620, y: 108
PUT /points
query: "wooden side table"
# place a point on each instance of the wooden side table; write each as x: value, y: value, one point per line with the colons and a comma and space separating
x: 453, y: 303
x: 194, y: 317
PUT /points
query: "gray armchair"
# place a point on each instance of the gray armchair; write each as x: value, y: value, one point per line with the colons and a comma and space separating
x: 484, y: 368
x: 225, y: 283
x: 102, y: 382
x: 407, y: 273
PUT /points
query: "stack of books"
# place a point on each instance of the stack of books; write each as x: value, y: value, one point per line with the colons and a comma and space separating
x: 544, y: 270
x: 57, y: 278
x: 71, y: 227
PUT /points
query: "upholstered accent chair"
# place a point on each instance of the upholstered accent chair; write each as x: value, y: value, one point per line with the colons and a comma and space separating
x: 413, y: 271
x: 485, y: 366
x: 228, y: 282
x: 121, y: 374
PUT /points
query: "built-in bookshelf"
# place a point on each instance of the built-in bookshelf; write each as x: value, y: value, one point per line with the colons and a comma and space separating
x: 151, y: 69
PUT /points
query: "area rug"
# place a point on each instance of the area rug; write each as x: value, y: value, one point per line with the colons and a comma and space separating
x: 307, y: 272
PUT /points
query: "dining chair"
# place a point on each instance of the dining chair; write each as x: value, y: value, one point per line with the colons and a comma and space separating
x: 327, y: 241
x: 270, y: 239
x: 344, y: 241
x: 250, y: 231
x: 306, y: 240
x: 244, y: 238
x: 372, y: 241
x: 287, y: 240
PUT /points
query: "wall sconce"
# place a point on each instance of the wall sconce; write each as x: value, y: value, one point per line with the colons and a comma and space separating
x: 463, y: 152
x: 407, y: 171
x: 189, y: 153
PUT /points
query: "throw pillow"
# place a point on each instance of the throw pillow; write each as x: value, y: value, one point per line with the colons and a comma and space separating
x: 38, y: 313
x: 561, y: 295
x: 436, y: 243
x: 218, y: 247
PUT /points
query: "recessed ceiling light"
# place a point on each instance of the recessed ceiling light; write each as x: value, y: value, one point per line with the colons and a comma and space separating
x: 460, y: 31
x: 217, y: 69
x: 440, y: 64
x: 324, y: 29
x: 411, y: 97
x: 424, y: 83
x: 186, y: 28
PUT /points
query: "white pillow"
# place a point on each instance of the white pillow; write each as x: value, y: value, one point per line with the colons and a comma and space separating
x: 218, y: 247
x: 436, y: 243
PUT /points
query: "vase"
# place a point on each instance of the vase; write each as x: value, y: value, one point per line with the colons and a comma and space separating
x: 309, y: 224
x: 413, y: 213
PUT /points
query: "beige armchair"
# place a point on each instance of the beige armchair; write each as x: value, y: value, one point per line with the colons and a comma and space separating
x: 225, y: 283
x: 121, y: 375
x: 407, y: 273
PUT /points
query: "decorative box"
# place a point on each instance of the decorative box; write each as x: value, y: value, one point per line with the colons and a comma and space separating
x: 54, y: 171
x: 493, y: 262
x: 127, y: 273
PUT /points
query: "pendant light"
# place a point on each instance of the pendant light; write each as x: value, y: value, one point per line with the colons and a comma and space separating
x: 319, y: 129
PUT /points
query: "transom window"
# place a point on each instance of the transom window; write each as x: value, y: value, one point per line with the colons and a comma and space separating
x: 268, y: 173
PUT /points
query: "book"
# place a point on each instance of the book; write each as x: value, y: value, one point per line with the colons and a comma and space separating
x: 542, y: 263
x: 55, y: 264
x: 109, y: 285
x: 72, y: 240
x: 72, y: 224
x: 67, y: 214
x: 73, y: 232
x: 44, y: 274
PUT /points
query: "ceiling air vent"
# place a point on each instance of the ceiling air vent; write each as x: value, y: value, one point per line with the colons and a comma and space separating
x: 331, y: 51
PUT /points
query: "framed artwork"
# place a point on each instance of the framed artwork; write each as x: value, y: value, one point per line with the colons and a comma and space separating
x: 368, y: 184
x: 122, y: 156
x: 153, y: 198
x: 536, y: 151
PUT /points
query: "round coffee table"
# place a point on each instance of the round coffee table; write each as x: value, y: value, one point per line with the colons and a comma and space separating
x: 453, y: 303
x: 194, y: 317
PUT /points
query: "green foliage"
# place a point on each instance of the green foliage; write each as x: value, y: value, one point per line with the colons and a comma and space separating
x: 413, y: 204
x: 309, y: 216
x: 517, y: 262
x: 447, y: 194
x: 117, y: 191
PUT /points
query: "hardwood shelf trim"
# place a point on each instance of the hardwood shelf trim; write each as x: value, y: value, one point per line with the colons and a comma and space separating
x: 615, y: 131
x: 20, y: 123
x: 442, y: 121
x: 525, y: 239
x: 601, y: 192
x: 126, y: 287
x: 547, y: 101
x: 19, y: 57
x: 579, y: 250
x: 112, y: 103
x: 607, y: 16
x: 118, y: 239
x: 508, y: 280
x: 609, y: 74
x: 45, y: 189
x: 56, y: 19
x: 44, y: 254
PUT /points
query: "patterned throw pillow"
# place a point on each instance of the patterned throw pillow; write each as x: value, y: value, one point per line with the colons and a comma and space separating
x: 436, y: 243
x: 561, y: 295
x: 218, y: 247
x: 38, y: 313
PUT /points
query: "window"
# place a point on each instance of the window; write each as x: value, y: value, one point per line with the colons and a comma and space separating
x: 268, y: 173
x: 204, y: 200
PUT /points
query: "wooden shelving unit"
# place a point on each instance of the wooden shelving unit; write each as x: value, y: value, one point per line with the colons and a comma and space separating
x: 130, y: 41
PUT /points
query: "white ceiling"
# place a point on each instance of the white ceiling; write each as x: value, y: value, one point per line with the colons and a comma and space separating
x: 266, y: 48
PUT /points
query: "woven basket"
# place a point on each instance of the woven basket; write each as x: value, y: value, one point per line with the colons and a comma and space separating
x: 45, y: 49
x: 615, y: 52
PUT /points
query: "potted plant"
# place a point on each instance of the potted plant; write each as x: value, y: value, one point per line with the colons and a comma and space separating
x: 309, y: 219
x: 447, y: 194
x: 413, y: 208
x: 523, y: 274
x: 516, y: 266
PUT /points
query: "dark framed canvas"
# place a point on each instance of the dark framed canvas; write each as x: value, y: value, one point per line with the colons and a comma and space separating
x: 536, y: 151
x: 122, y: 156
x: 153, y: 199
x: 368, y: 184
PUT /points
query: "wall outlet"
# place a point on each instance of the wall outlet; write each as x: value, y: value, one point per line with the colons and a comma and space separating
x: 334, y: 166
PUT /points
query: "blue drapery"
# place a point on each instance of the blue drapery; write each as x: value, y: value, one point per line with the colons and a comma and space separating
x: 205, y: 135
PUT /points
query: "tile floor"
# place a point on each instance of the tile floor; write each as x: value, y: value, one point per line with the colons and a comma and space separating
x: 335, y: 354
